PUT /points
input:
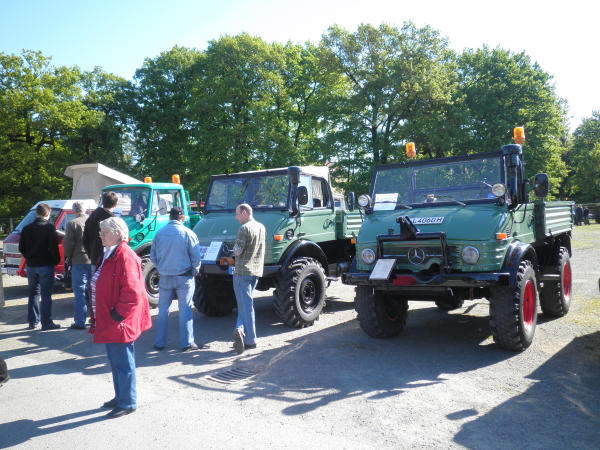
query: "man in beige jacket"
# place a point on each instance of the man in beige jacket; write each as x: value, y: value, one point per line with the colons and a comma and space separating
x: 81, y: 267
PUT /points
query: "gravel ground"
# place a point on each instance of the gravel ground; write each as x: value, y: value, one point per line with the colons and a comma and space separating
x: 441, y: 384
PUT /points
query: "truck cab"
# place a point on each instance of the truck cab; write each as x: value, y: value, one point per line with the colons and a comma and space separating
x: 145, y: 209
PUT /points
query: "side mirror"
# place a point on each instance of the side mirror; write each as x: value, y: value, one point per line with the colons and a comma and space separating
x: 541, y: 185
x: 351, y: 201
x: 302, y: 195
x: 294, y: 174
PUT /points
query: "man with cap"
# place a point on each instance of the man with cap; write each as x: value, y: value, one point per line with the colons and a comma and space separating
x: 176, y: 255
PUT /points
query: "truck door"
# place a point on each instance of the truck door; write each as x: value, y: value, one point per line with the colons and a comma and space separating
x: 318, y: 220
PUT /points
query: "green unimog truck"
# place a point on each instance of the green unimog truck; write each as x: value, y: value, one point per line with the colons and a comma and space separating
x: 447, y: 230
x: 310, y: 239
x: 145, y: 209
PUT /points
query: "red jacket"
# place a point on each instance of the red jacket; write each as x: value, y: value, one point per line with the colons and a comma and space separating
x: 121, y: 286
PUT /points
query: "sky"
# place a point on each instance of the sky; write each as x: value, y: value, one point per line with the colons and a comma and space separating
x: 118, y: 35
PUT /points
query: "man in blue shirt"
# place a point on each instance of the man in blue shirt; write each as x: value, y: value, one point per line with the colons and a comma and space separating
x: 176, y: 255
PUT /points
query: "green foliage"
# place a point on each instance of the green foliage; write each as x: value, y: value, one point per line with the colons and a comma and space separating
x: 396, y: 78
x: 584, y: 161
x: 351, y: 102
x: 500, y: 90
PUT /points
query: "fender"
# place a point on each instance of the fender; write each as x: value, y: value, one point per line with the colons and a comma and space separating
x: 144, y: 248
x: 517, y: 252
x: 304, y: 248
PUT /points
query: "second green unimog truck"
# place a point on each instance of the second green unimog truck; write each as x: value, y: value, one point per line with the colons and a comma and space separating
x: 447, y: 230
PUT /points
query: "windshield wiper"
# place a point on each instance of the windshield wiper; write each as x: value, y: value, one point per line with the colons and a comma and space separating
x: 452, y: 199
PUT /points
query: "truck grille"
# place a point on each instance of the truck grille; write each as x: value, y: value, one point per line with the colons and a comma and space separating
x: 417, y: 254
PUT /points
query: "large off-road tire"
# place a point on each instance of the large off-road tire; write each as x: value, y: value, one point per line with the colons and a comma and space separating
x: 214, y: 296
x: 449, y: 303
x: 151, y: 279
x: 555, y: 296
x: 513, y: 311
x: 380, y: 314
x: 299, y: 295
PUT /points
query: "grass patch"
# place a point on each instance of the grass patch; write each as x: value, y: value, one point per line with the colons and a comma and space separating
x: 586, y: 236
x: 589, y: 314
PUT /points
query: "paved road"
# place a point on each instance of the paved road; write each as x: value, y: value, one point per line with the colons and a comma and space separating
x: 443, y: 383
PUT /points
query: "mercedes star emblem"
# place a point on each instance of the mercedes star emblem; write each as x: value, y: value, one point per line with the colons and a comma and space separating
x: 416, y: 255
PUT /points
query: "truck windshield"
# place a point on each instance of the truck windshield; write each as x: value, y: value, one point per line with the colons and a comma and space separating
x: 456, y: 181
x: 260, y: 192
x: 132, y: 201
x: 30, y: 217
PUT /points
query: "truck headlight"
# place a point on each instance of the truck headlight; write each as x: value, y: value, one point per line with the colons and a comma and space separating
x: 470, y: 255
x: 364, y: 200
x: 368, y: 256
x: 498, y: 190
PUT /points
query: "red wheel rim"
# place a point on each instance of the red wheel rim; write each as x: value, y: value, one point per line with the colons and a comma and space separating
x: 528, y: 305
x: 566, y: 282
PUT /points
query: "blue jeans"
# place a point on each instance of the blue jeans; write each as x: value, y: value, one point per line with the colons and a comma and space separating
x: 244, y: 285
x: 40, y: 281
x: 168, y: 286
x: 122, y: 362
x: 82, y: 274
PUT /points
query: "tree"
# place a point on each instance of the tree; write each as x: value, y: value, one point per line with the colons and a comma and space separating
x: 39, y: 107
x: 584, y: 161
x: 396, y: 78
x: 108, y: 139
x: 163, y: 121
x: 500, y: 90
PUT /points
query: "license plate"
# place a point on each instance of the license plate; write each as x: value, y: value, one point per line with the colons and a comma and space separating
x: 13, y: 261
x: 231, y: 270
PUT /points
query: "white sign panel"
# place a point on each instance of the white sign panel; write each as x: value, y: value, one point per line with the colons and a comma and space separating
x: 385, y: 202
x: 382, y: 269
x: 427, y: 220
x: 211, y: 253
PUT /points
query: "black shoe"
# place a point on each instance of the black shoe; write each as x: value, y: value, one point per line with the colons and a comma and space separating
x: 156, y: 347
x: 77, y: 327
x: 190, y: 348
x: 119, y: 412
x: 110, y: 404
x: 52, y: 326
x: 32, y: 326
x: 249, y: 346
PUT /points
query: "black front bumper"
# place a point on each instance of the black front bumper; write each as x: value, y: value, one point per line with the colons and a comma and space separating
x: 420, y: 283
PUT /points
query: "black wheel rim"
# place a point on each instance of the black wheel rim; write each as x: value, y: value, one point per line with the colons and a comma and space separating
x: 152, y: 282
x: 309, y: 294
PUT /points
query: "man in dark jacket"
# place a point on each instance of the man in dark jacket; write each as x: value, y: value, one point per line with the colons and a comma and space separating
x: 39, y: 246
x: 91, y: 237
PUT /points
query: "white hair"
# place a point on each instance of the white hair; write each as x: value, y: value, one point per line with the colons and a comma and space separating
x: 78, y: 207
x: 116, y: 226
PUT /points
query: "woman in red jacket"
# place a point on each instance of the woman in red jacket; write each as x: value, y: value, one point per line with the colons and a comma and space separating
x: 120, y: 311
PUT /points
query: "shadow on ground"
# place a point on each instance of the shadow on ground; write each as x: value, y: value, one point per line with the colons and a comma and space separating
x: 561, y: 410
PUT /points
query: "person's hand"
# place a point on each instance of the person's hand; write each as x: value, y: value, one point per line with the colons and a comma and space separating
x: 116, y: 316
